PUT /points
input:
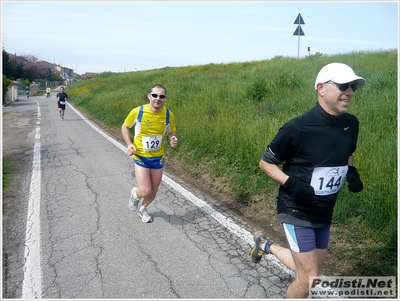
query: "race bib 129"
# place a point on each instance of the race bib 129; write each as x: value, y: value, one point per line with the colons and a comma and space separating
x: 151, y: 143
x: 328, y: 180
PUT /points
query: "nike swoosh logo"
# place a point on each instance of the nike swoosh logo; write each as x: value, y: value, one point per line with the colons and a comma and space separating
x: 346, y: 128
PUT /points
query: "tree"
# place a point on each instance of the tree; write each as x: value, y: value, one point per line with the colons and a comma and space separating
x: 7, y: 72
x: 6, y: 84
x: 7, y: 68
x: 27, y: 66
x: 56, y: 76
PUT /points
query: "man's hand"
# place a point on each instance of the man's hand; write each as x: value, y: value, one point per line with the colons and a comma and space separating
x: 298, y: 189
x: 353, y: 178
x: 174, y: 141
x: 131, y: 149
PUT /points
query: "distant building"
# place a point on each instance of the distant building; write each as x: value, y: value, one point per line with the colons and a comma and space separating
x: 88, y: 75
x: 51, y: 66
x: 66, y: 73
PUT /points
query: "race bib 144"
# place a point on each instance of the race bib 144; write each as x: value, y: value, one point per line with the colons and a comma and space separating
x: 328, y: 180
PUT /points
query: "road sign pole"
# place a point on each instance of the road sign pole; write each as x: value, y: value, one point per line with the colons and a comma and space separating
x: 298, y: 48
x: 299, y: 32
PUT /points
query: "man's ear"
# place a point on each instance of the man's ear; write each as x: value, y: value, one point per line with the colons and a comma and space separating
x: 320, y: 89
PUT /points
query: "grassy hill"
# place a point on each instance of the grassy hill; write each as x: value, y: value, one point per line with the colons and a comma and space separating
x: 227, y: 113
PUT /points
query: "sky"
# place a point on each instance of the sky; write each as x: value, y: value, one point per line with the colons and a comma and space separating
x: 124, y: 36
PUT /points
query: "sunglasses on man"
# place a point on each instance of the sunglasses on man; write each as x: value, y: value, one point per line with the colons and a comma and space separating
x: 161, y: 96
x: 344, y: 87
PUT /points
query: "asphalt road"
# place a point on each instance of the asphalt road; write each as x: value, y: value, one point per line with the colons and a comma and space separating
x: 68, y: 232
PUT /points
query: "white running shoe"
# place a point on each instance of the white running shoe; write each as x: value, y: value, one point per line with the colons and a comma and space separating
x: 146, y: 218
x: 133, y: 201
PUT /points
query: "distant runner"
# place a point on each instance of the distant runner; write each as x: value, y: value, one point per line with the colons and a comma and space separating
x: 62, y: 97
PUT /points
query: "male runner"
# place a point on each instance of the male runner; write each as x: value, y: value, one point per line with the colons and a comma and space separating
x: 151, y: 123
x: 315, y: 150
x: 62, y: 97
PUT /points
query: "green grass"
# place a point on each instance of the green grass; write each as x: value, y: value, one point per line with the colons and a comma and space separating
x: 227, y: 113
x: 8, y: 168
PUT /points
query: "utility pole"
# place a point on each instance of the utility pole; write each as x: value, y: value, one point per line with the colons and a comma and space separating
x: 298, y: 32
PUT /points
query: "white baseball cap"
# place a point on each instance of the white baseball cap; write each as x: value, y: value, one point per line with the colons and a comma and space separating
x: 338, y: 73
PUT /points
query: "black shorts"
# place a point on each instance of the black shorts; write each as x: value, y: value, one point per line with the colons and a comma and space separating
x: 62, y: 107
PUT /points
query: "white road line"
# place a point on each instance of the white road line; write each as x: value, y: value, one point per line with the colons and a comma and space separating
x: 32, y: 283
x: 223, y: 220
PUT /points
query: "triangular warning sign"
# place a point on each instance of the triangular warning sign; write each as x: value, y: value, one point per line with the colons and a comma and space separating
x: 299, y: 20
x: 298, y: 31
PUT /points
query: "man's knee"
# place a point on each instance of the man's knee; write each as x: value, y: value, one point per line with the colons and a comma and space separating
x: 145, y: 191
x: 302, y: 283
x: 304, y: 278
x: 307, y: 265
x: 299, y: 288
